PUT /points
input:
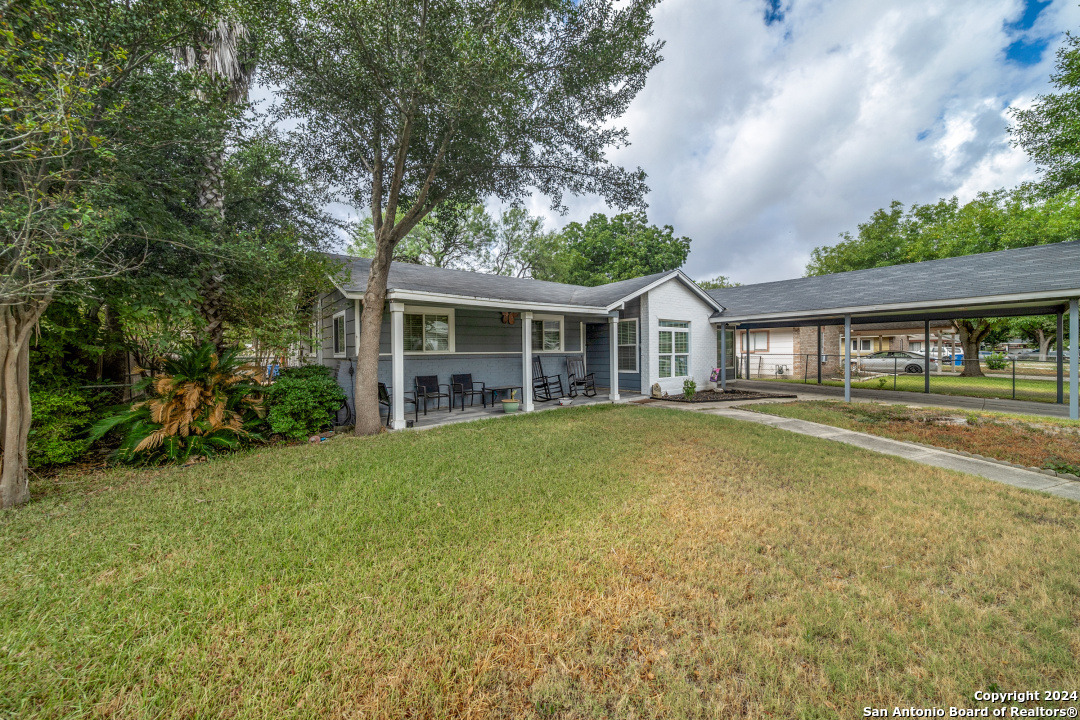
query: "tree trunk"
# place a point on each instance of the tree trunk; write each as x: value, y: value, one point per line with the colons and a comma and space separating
x: 212, y: 306
x: 972, y: 333
x: 1044, y: 343
x: 366, y: 379
x: 16, y: 322
x: 211, y: 197
x: 114, y: 360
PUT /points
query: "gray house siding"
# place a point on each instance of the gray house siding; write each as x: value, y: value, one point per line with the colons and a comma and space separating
x: 484, y: 346
x: 332, y: 304
x: 598, y: 351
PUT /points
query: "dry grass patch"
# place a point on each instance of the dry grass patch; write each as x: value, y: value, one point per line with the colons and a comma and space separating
x: 594, y: 562
x: 1028, y: 440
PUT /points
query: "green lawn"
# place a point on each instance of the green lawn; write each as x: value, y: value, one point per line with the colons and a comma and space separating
x: 987, y: 387
x: 607, y: 561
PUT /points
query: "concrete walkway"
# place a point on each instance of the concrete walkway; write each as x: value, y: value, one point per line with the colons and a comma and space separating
x: 959, y: 402
x: 1017, y: 477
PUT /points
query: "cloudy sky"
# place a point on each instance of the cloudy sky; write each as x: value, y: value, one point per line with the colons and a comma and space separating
x: 773, y: 125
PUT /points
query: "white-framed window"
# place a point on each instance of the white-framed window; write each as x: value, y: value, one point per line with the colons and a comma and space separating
x: 758, y: 341
x: 860, y: 344
x: 628, y: 345
x: 339, y: 334
x: 673, y: 348
x: 428, y: 330
x: 916, y: 346
x: 547, y: 333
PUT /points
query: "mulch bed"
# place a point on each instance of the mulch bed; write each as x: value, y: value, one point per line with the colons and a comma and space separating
x: 704, y: 396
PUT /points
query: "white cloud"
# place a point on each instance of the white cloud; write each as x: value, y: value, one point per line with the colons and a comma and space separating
x: 762, y: 142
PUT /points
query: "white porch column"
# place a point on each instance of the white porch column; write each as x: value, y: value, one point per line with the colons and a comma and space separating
x: 847, y: 358
x: 397, y: 374
x: 723, y: 357
x: 526, y: 361
x: 1074, y: 356
x: 613, y: 329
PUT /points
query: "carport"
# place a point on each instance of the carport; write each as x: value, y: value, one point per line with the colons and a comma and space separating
x: 1040, y: 280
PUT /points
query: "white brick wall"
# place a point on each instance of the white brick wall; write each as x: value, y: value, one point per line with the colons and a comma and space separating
x: 675, y: 301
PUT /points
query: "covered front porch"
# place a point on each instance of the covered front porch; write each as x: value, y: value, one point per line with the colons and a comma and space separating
x: 499, y: 347
x: 437, y: 417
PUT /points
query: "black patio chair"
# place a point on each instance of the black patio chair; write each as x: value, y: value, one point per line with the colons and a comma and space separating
x: 578, y: 379
x: 388, y: 403
x: 544, y: 386
x: 464, y: 386
x: 428, y: 387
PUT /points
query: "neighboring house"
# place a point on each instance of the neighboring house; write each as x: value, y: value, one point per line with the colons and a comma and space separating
x: 654, y: 329
x: 788, y: 351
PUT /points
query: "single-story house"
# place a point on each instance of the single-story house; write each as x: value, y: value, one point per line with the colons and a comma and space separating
x: 630, y: 334
x: 663, y: 329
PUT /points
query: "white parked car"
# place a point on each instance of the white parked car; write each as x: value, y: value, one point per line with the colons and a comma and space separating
x: 899, y: 361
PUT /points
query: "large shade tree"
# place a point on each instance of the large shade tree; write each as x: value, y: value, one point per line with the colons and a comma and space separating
x: 1049, y: 130
x: 604, y: 249
x: 410, y: 104
x: 65, y: 189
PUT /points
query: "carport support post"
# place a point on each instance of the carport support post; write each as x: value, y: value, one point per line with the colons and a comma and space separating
x: 1074, y: 357
x: 926, y: 356
x: 723, y: 357
x: 847, y: 358
x: 526, y: 361
x: 1061, y: 358
x: 820, y: 355
x: 397, y: 364
x: 746, y: 344
x: 613, y: 333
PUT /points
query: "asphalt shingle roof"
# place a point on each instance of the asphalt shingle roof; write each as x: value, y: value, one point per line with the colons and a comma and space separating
x: 1042, y: 268
x: 421, y: 278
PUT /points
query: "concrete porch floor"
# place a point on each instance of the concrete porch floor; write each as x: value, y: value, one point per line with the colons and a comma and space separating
x: 437, y: 417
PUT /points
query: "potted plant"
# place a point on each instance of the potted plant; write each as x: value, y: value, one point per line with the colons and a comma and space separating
x: 511, y: 404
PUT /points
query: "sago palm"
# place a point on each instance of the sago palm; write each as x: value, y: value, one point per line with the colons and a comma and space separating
x: 200, y: 405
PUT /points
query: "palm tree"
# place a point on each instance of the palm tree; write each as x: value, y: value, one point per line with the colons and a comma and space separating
x: 218, y: 53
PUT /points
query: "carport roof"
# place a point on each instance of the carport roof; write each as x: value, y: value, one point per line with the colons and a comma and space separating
x: 1032, y: 280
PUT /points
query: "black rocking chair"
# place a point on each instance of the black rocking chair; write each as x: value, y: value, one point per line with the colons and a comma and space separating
x: 464, y: 386
x: 387, y: 402
x: 428, y: 387
x: 578, y: 379
x: 544, y: 386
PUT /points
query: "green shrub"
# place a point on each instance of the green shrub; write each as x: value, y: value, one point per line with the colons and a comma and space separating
x: 200, y: 405
x: 997, y: 361
x: 59, y: 419
x: 689, y: 387
x: 302, y: 401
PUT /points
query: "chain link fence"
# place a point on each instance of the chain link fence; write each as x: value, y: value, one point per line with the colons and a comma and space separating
x: 101, y: 396
x: 1002, y: 377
